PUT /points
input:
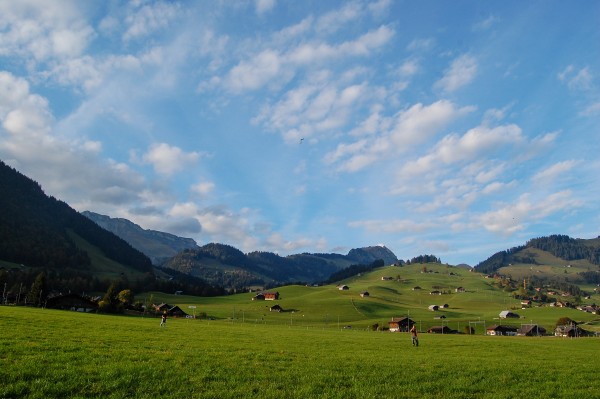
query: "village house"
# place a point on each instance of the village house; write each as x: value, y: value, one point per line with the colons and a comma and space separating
x: 460, y: 289
x: 271, y: 296
x: 435, y: 292
x: 531, y: 330
x: 173, y: 311
x: 501, y: 330
x: 507, y: 314
x: 441, y: 330
x: 266, y: 296
x: 258, y: 297
x: 400, y: 324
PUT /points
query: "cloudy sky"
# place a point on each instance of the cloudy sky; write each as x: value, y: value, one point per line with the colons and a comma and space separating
x: 454, y: 128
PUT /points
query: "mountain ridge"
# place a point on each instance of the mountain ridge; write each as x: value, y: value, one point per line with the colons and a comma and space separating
x: 157, y: 245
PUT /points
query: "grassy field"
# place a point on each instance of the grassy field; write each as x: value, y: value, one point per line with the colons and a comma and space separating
x: 327, y: 306
x: 60, y: 354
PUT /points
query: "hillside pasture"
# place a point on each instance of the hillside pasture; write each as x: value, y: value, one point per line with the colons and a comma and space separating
x: 327, y: 306
x: 46, y: 353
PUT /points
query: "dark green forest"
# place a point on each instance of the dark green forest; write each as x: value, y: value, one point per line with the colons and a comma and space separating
x: 36, y: 233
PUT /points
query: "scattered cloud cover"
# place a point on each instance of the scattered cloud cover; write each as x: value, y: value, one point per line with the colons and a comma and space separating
x: 305, y: 127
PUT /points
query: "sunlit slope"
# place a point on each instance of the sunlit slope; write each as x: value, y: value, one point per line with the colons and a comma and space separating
x: 327, y: 306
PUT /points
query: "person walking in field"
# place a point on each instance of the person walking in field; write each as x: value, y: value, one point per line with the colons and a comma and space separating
x: 163, y: 320
x: 413, y: 333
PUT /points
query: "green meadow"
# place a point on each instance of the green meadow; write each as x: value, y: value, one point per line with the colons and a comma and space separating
x: 60, y: 354
x: 328, y: 307
x: 321, y: 345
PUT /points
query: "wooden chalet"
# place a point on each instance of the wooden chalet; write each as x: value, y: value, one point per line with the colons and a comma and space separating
x: 531, y: 330
x: 501, y: 330
x: 175, y: 311
x: 400, y: 324
x: 271, y: 296
x: 266, y: 296
x: 507, y: 314
x: 441, y: 330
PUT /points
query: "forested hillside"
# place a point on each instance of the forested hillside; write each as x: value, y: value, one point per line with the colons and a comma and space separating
x: 225, y: 265
x: 560, y: 246
x: 36, y: 229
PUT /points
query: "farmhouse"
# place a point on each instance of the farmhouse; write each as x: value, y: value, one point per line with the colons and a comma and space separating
x: 501, y: 330
x: 175, y: 311
x: 266, y: 296
x: 460, y: 289
x: 507, y: 314
x: 343, y: 287
x: 399, y: 324
x: 531, y: 330
x: 162, y: 308
x: 364, y: 294
x: 435, y: 292
x: 71, y: 302
x: 441, y: 330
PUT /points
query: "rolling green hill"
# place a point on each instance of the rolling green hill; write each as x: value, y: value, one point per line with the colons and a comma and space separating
x: 327, y: 306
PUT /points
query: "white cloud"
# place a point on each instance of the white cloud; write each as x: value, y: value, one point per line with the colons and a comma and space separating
x: 149, y: 18
x: 553, y: 172
x: 581, y: 80
x: 263, y: 6
x: 510, y: 218
x: 420, y: 44
x: 271, y: 66
x: 592, y: 109
x: 203, y: 188
x: 255, y: 73
x: 166, y: 159
x: 460, y: 73
x: 407, y: 129
x: 334, y: 20
x: 392, y: 225
x: 485, y: 24
x: 67, y: 169
x: 43, y: 30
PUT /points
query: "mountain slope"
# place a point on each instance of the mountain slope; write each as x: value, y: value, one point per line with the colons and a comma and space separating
x: 41, y: 231
x: 157, y: 245
x: 228, y: 266
x: 559, y: 257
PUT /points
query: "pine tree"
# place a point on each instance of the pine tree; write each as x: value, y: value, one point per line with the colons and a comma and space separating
x: 38, y: 292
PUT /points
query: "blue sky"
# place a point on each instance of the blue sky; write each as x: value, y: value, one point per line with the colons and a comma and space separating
x: 456, y: 128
